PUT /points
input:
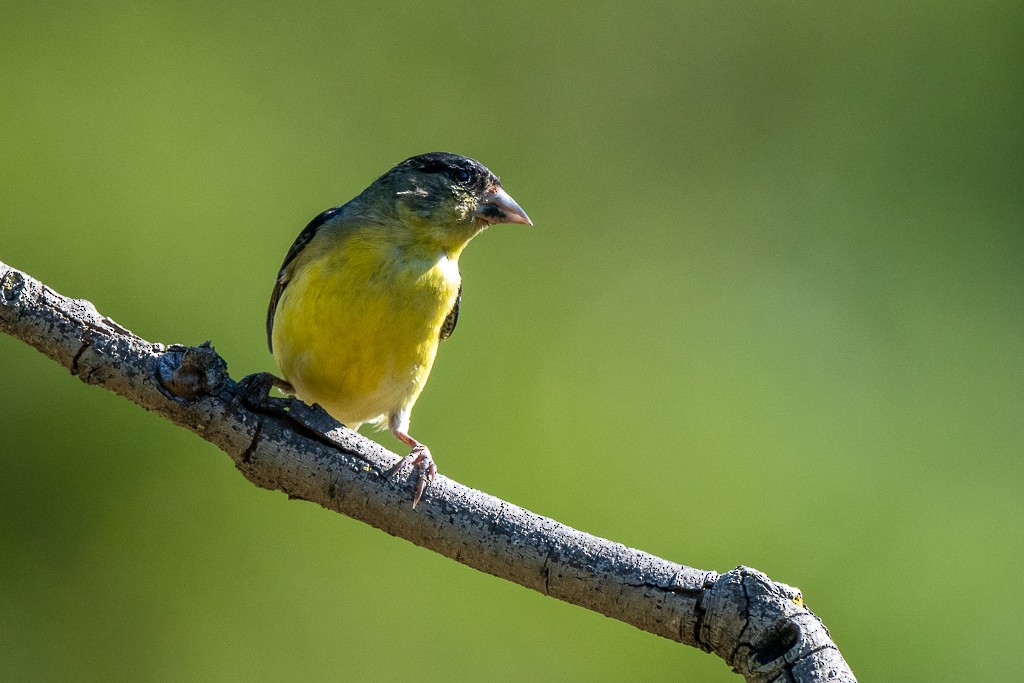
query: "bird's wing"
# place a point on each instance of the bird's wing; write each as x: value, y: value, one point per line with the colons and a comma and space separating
x: 453, y: 318
x: 284, y: 275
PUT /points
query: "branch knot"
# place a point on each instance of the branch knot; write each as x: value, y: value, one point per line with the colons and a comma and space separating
x: 191, y: 372
x: 11, y: 285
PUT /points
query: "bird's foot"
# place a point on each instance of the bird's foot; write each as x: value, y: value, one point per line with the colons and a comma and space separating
x: 421, y: 461
x: 254, y: 389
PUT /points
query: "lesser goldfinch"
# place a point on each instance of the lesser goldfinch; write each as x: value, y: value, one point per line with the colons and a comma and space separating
x: 370, y: 288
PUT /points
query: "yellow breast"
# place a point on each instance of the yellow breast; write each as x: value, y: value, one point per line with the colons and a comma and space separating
x: 358, y: 325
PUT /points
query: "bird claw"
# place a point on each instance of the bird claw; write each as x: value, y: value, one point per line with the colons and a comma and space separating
x: 421, y: 461
x: 254, y: 390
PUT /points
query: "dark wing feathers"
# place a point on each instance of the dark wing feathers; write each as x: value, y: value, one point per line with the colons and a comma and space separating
x: 304, y: 238
x: 448, y: 326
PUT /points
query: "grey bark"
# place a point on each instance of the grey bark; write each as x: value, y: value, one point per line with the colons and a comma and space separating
x: 760, y: 627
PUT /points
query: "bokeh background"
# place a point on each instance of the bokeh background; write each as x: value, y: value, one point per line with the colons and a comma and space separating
x: 770, y: 314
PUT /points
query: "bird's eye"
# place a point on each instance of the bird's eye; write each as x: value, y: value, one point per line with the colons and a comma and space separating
x: 461, y: 176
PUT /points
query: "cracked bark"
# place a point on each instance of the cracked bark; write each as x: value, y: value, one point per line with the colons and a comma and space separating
x: 759, y: 627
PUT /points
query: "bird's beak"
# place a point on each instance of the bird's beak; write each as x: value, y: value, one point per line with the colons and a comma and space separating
x: 498, y: 207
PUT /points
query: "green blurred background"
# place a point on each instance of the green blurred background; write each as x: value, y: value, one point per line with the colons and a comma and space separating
x: 770, y: 314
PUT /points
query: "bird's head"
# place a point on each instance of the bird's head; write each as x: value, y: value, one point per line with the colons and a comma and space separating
x: 444, y: 197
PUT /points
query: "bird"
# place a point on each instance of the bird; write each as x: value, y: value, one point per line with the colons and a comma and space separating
x: 370, y: 288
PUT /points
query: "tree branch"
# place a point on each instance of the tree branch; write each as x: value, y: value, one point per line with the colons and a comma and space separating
x: 759, y: 627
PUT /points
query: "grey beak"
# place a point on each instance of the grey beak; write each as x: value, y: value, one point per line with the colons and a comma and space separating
x: 498, y: 207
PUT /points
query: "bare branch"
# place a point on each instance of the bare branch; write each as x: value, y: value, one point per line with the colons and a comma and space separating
x: 759, y: 627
